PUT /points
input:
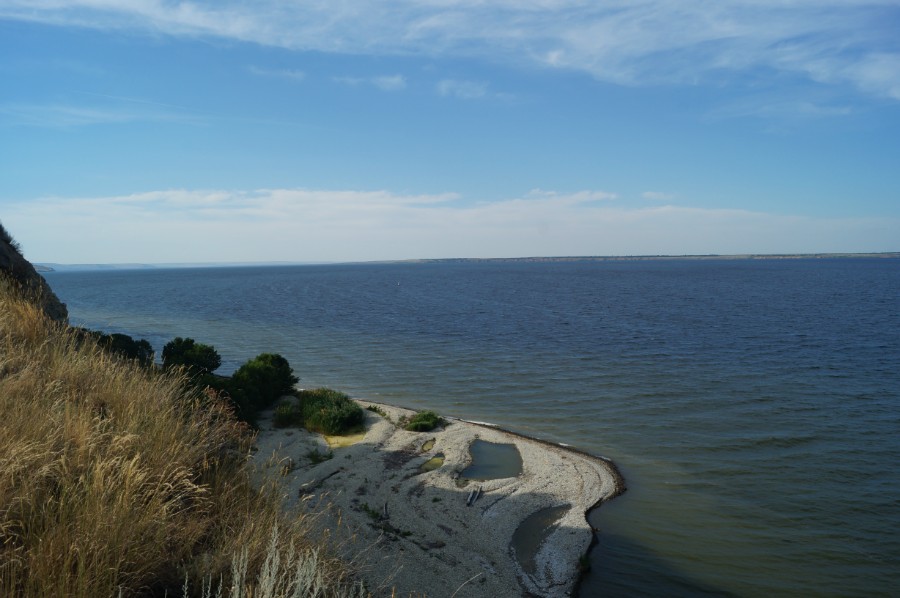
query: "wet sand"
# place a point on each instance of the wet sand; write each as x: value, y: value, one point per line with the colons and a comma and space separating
x: 411, y: 530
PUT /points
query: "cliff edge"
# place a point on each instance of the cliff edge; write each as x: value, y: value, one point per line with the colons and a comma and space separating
x: 14, y: 265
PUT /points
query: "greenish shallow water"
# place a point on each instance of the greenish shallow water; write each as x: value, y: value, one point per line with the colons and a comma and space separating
x: 434, y: 463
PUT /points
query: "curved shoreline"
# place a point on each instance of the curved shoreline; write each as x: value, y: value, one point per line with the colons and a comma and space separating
x: 614, y: 470
x: 417, y: 530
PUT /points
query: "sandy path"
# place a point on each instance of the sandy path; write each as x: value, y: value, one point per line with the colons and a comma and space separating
x: 421, y: 536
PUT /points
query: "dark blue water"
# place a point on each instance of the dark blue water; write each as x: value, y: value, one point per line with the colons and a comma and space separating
x: 752, y: 405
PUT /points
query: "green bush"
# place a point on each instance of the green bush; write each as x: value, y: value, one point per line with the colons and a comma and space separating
x: 244, y: 399
x: 423, y: 421
x: 270, y: 374
x: 254, y: 386
x: 121, y: 345
x: 329, y: 411
x: 196, y: 357
x: 287, y: 414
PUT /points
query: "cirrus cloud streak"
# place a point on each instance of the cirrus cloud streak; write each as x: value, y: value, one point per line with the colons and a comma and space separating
x: 835, y: 42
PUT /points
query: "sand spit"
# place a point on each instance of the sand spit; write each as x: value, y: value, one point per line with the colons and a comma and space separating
x: 420, y: 535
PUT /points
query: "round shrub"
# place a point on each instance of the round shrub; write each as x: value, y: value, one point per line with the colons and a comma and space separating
x: 423, y: 421
x: 329, y: 411
x: 287, y: 413
x: 194, y: 356
x: 270, y: 374
x: 121, y: 345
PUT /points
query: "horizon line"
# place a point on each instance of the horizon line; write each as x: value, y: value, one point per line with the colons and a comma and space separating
x: 624, y: 257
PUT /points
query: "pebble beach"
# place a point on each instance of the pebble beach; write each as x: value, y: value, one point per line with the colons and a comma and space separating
x: 427, y: 530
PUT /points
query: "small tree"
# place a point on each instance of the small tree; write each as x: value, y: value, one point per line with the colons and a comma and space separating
x: 126, y: 346
x: 120, y: 344
x: 244, y: 397
x: 269, y: 374
x: 197, y: 357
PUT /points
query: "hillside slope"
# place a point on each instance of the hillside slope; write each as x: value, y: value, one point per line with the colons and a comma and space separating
x: 116, y: 480
x: 14, y: 265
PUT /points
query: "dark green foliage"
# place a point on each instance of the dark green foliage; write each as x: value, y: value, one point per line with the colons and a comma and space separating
x: 126, y: 346
x: 122, y: 345
x: 196, y: 357
x: 317, y: 457
x: 378, y: 410
x: 287, y: 414
x: 255, y: 386
x: 329, y: 411
x: 270, y: 375
x: 244, y: 398
x: 423, y: 421
x: 7, y: 238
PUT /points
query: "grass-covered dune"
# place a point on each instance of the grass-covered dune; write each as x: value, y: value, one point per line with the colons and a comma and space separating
x: 115, y: 480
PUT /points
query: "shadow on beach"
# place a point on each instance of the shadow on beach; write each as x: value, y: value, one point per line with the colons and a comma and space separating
x: 410, y: 530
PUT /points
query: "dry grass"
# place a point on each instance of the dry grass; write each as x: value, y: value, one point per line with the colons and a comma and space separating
x: 115, y: 481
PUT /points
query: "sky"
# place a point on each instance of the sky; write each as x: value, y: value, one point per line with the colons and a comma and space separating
x: 159, y: 131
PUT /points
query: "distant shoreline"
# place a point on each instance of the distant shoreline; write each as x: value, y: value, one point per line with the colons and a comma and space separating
x: 56, y: 267
x: 635, y: 258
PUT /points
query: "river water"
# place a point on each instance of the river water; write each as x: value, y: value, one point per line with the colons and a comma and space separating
x: 753, y: 406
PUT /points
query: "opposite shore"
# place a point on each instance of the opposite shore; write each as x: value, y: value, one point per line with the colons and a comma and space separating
x: 53, y: 267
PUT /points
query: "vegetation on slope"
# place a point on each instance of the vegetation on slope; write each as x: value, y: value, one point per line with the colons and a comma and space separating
x: 117, y: 480
x: 322, y: 410
x: 15, y: 267
x: 423, y: 421
x: 122, y: 345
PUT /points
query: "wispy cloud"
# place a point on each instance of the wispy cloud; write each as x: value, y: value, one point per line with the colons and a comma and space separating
x: 658, y: 196
x: 390, y: 83
x: 290, y: 74
x: 465, y: 90
x: 383, y: 82
x: 633, y: 42
x: 62, y: 115
x: 790, y: 105
x: 577, y: 197
x: 346, y: 225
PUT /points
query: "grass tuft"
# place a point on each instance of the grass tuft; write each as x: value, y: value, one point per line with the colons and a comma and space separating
x: 423, y: 421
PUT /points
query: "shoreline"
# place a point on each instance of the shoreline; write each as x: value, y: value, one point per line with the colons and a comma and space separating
x: 414, y: 529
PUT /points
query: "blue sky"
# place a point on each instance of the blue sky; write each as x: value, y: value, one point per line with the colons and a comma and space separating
x: 164, y: 131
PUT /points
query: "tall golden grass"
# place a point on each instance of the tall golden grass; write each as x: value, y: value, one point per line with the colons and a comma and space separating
x: 118, y: 481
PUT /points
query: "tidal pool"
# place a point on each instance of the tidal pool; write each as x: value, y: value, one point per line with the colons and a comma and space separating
x: 491, y: 461
x: 532, y: 532
x: 433, y: 463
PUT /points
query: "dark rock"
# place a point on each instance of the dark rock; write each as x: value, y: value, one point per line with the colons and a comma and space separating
x: 16, y: 268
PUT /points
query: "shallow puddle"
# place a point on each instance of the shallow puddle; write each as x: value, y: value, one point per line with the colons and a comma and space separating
x: 532, y: 532
x: 491, y: 461
x: 347, y: 440
x: 433, y: 463
x: 429, y: 444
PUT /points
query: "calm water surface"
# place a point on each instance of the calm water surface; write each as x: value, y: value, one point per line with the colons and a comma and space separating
x: 753, y: 406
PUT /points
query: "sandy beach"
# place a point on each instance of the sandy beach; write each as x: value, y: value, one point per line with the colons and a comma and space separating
x: 427, y: 532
